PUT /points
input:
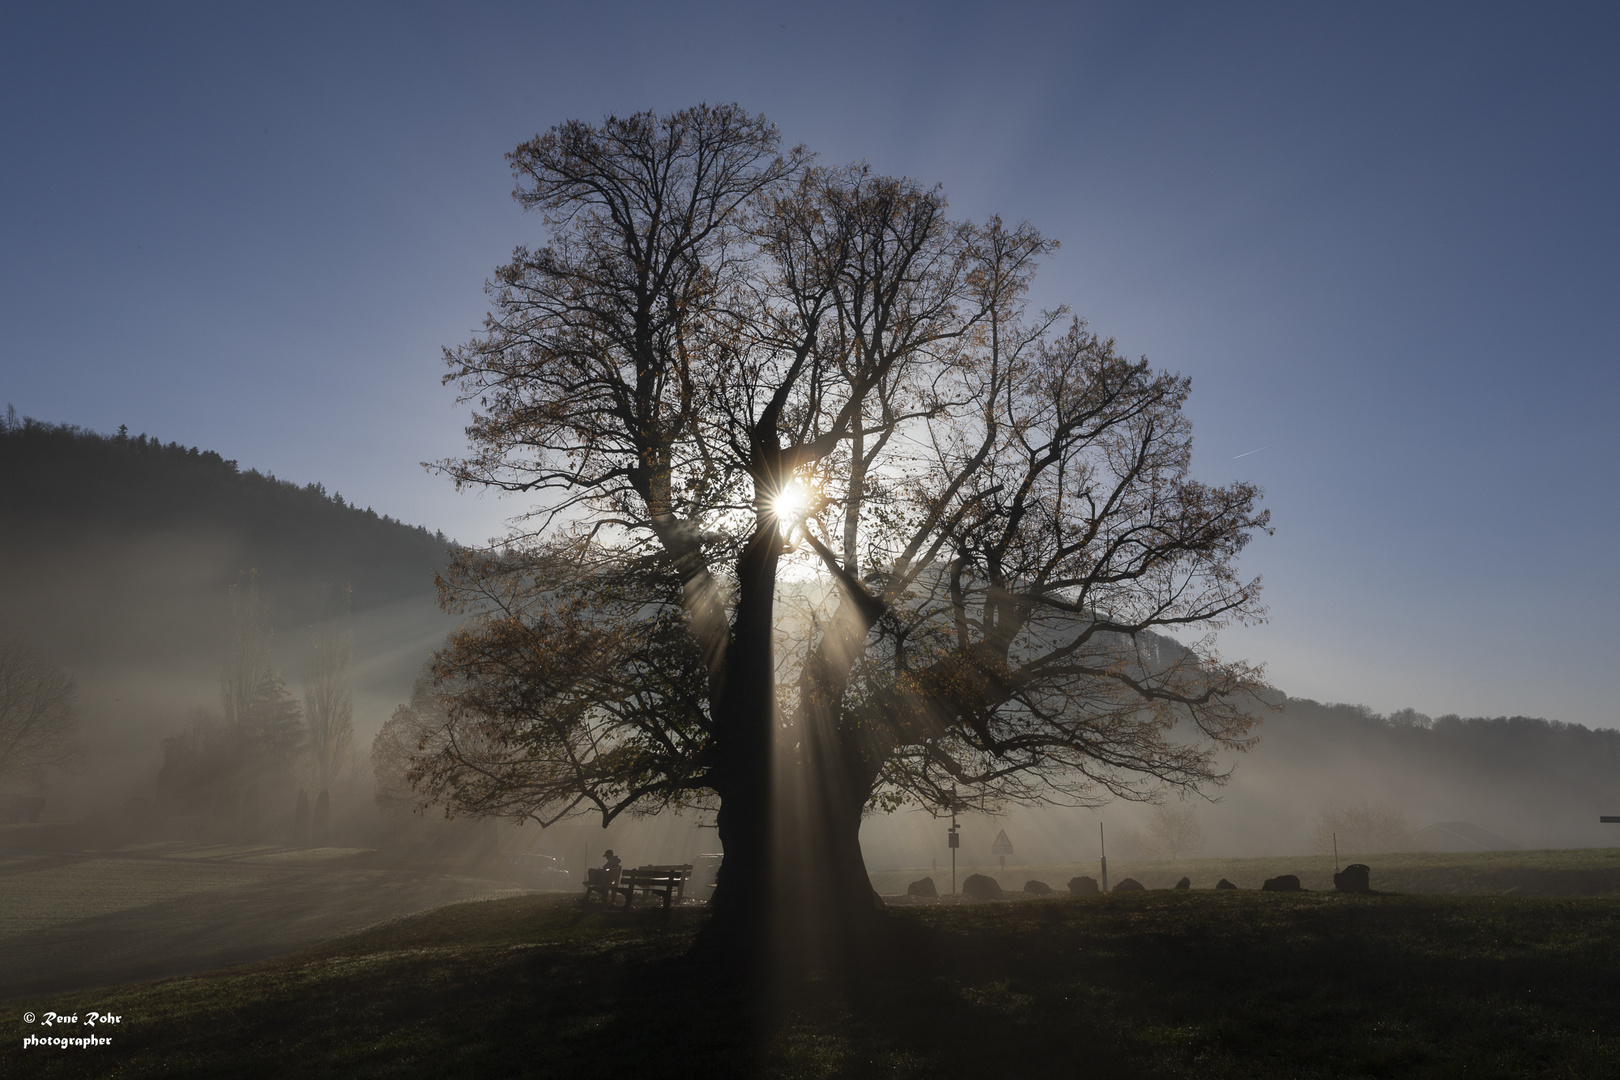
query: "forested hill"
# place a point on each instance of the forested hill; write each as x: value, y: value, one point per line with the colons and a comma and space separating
x: 69, y: 474
x: 1536, y: 782
x: 120, y: 548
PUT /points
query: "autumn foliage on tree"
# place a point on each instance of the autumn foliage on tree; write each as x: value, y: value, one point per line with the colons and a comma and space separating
x: 821, y: 519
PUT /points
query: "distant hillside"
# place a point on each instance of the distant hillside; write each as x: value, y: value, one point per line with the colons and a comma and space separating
x: 109, y: 539
x: 1533, y: 783
x: 117, y: 551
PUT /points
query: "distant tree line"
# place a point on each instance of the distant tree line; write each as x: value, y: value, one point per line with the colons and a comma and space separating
x: 81, y: 507
x: 1521, y: 744
x: 1536, y: 781
x: 69, y: 470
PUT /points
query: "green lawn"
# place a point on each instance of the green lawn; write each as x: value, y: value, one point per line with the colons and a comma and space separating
x: 1195, y: 984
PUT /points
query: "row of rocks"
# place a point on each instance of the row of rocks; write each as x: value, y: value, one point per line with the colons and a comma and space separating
x: 1355, y: 878
x: 976, y: 887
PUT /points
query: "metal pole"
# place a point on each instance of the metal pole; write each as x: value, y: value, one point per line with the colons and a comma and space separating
x: 1104, y: 844
x: 1335, y: 853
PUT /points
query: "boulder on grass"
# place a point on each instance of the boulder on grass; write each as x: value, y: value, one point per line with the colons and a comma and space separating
x: 981, y: 887
x: 1281, y: 883
x: 1357, y: 877
x: 1036, y: 888
x: 1224, y: 884
x: 925, y: 887
x: 1130, y: 884
x: 1184, y: 883
x: 1083, y: 886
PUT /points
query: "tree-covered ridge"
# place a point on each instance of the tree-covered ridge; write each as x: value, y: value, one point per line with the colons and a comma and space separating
x: 1530, y: 745
x: 61, y: 484
x: 42, y: 458
x: 1520, y: 731
x: 1534, y: 782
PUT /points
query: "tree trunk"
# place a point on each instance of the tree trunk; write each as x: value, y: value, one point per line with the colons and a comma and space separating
x: 744, y: 736
x: 827, y: 913
x: 793, y: 887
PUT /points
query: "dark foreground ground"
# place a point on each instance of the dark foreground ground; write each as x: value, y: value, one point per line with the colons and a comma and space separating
x: 1195, y: 984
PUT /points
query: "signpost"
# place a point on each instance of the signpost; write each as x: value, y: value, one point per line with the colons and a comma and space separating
x: 954, y: 840
x: 1002, y: 847
x: 1104, y: 845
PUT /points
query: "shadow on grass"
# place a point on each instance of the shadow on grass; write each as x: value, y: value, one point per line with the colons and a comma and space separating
x: 1199, y: 984
x: 1301, y: 986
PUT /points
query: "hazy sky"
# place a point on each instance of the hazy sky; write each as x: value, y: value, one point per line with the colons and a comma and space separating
x: 1382, y: 241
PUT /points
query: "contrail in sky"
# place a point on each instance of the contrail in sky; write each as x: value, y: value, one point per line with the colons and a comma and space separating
x: 1256, y: 450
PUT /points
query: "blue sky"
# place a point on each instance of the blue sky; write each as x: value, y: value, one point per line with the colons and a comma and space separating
x: 1381, y: 239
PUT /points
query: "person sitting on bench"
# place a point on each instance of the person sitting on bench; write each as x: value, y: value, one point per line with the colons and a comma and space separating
x: 607, y: 875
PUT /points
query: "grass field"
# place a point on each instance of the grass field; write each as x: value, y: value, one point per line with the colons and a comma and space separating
x: 1172, y: 984
x: 87, y: 918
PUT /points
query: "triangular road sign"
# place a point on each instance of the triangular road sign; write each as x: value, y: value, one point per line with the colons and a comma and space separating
x: 1002, y: 846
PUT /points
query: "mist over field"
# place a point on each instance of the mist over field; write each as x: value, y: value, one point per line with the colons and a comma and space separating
x: 1527, y: 782
x: 123, y: 556
x: 125, y: 551
x: 122, y: 552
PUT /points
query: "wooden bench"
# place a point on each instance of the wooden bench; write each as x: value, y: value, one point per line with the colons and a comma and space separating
x: 667, y: 881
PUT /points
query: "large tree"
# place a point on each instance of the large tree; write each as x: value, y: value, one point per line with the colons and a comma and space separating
x: 725, y: 361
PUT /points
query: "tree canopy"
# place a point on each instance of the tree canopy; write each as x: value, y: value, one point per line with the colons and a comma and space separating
x: 821, y: 517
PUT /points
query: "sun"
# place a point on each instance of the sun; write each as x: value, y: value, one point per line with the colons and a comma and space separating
x: 791, y: 504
